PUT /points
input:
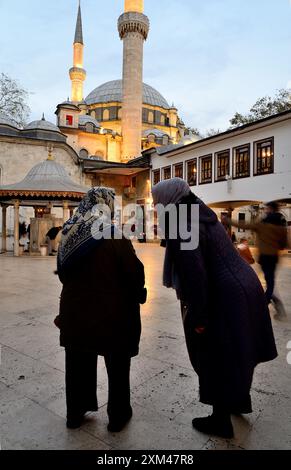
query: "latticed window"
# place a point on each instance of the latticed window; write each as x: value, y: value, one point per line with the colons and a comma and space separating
x: 206, y: 169
x: 242, y: 161
x: 264, y: 157
x: 156, y: 176
x: 167, y: 174
x: 222, y: 165
x: 192, y: 172
x: 179, y: 170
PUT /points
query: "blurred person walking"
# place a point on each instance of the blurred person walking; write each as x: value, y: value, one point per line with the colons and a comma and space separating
x: 226, y: 318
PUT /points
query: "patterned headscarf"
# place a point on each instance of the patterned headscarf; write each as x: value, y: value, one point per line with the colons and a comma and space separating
x: 77, y: 236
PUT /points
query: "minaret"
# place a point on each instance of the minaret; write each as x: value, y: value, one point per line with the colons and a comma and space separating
x: 77, y: 72
x: 133, y: 27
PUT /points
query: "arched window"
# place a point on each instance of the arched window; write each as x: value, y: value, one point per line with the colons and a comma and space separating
x: 106, y: 115
x: 93, y: 114
x: 84, y: 153
x: 163, y: 120
x: 151, y: 138
x: 119, y: 115
x: 151, y: 116
x: 165, y: 140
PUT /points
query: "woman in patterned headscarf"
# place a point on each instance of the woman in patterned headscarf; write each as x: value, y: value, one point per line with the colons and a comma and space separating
x: 103, y: 285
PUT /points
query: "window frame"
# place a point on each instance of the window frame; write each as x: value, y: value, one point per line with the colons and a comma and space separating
x: 180, y: 164
x: 216, y: 155
x: 153, y: 176
x: 163, y: 173
x: 204, y: 157
x: 255, y: 158
x: 194, y: 160
x: 69, y: 117
x: 234, y: 175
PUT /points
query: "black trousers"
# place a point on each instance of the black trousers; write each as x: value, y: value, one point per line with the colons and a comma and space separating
x: 269, y: 266
x: 81, y: 383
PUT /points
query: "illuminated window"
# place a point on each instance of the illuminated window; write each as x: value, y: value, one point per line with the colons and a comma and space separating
x: 241, y: 161
x: 106, y: 115
x: 206, y: 169
x: 151, y: 138
x: 264, y: 157
x: 178, y: 170
x: 192, y: 172
x: 84, y: 153
x: 151, y: 116
x: 163, y: 120
x: 167, y: 173
x: 69, y: 120
x: 222, y: 167
x: 119, y: 113
x: 156, y: 176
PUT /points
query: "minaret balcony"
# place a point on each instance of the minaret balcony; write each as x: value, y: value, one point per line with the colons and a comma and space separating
x: 77, y: 73
x: 133, y: 22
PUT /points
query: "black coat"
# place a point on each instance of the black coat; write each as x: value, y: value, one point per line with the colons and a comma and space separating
x: 220, y: 291
x: 99, y: 307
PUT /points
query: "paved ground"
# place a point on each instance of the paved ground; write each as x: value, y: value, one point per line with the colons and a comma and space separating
x: 164, y: 387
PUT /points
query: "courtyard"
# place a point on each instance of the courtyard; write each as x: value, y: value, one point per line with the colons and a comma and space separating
x: 164, y: 386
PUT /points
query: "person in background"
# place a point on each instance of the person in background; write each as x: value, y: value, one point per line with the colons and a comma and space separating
x: 103, y: 287
x: 226, y: 318
x: 233, y: 238
x: 245, y: 252
x: 271, y: 234
x: 51, y: 239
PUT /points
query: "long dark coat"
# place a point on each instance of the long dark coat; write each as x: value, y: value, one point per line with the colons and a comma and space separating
x: 99, y: 307
x: 221, y: 291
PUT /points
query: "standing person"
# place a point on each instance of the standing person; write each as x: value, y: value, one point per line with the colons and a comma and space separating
x: 272, y: 238
x: 233, y: 238
x: 226, y: 318
x: 245, y: 252
x: 51, y: 237
x: 103, y: 285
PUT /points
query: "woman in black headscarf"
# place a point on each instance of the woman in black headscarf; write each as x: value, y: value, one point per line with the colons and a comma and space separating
x: 103, y: 285
x: 226, y: 318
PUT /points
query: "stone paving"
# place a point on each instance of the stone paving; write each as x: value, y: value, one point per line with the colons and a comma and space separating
x: 164, y: 387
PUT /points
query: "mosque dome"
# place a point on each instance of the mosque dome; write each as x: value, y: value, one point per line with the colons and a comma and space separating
x: 112, y: 91
x: 42, y: 125
x: 6, y: 121
x: 85, y: 119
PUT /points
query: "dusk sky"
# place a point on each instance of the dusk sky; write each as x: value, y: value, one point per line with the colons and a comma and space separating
x: 210, y: 57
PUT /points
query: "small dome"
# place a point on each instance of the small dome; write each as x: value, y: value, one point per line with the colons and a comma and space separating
x: 112, y: 91
x: 42, y: 125
x: 84, y: 119
x: 6, y: 121
x: 155, y: 132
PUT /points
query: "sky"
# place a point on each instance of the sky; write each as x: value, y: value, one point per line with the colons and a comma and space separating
x: 211, y: 58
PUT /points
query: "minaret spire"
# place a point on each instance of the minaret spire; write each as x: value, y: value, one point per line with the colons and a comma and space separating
x: 77, y: 72
x: 133, y: 27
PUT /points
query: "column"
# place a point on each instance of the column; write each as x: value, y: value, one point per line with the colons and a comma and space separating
x: 4, y: 229
x: 16, y: 227
x: 66, y: 211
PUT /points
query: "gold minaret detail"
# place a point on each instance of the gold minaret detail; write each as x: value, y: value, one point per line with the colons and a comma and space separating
x: 77, y: 72
x: 133, y: 27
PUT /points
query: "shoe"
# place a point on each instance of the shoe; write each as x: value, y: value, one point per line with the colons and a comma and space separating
x: 279, y: 307
x: 214, y: 426
x: 117, y: 425
x: 75, y: 422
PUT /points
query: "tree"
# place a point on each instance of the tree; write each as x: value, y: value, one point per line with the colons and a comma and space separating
x: 264, y: 107
x: 13, y: 100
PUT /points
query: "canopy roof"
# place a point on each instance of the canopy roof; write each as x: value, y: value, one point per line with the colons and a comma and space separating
x: 46, y: 180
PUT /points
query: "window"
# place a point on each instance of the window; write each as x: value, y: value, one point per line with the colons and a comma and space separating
x: 151, y: 116
x: 206, y: 169
x: 178, y: 170
x: 222, y: 167
x: 119, y: 113
x: 167, y: 173
x: 156, y: 176
x: 241, y: 220
x: 106, y: 115
x: 69, y: 120
x: 90, y: 127
x: 163, y: 120
x: 165, y: 140
x: 84, y: 153
x: 241, y: 162
x: 264, y: 157
x: 192, y: 172
x: 151, y: 138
